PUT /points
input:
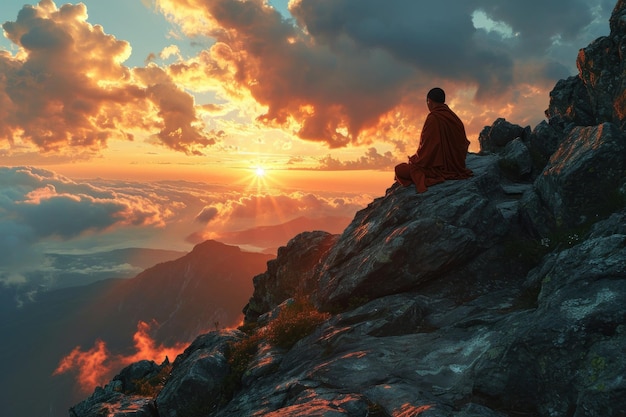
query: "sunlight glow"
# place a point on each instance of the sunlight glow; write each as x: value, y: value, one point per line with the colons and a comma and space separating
x: 260, y: 172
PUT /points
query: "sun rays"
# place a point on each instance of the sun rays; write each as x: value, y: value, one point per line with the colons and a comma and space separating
x: 260, y: 179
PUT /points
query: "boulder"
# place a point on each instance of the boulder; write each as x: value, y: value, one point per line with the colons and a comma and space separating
x: 495, y: 137
x: 195, y: 386
x: 570, y: 105
x: 584, y: 181
x: 543, y: 142
x: 516, y: 162
x: 405, y: 240
x: 126, y: 395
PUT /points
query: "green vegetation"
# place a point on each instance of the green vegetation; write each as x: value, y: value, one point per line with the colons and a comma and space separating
x: 295, y: 321
x: 598, y: 365
x: 531, y: 251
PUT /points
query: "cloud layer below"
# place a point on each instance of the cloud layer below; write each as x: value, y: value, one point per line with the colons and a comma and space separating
x: 42, y: 212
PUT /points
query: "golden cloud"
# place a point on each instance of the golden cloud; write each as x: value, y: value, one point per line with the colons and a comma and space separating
x: 67, y: 87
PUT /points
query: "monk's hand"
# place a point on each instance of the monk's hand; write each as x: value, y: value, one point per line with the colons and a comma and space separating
x: 413, y: 158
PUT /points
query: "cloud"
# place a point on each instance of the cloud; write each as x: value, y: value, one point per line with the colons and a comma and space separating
x: 67, y: 88
x: 336, y: 72
x: 96, y: 366
x: 206, y: 215
x: 265, y: 220
x: 371, y: 160
x: 37, y: 205
x: 348, y: 72
x: 43, y: 213
x: 276, y: 208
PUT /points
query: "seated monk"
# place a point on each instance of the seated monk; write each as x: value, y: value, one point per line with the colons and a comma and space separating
x: 442, y: 149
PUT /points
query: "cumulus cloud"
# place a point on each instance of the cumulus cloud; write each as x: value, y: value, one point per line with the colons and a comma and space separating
x: 273, y: 209
x: 335, y: 72
x: 206, y: 215
x: 67, y: 87
x: 342, y: 71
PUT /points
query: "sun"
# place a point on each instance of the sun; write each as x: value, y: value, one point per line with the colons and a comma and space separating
x: 260, y: 172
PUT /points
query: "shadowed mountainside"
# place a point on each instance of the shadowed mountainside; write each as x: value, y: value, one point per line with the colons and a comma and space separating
x: 179, y: 299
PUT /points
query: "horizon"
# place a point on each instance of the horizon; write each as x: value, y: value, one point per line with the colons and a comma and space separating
x: 159, y: 123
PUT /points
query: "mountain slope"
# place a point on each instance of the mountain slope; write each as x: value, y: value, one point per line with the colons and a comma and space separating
x: 199, y: 291
x: 275, y: 236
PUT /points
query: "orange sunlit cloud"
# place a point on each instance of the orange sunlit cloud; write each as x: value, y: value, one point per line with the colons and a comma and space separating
x: 67, y: 87
x: 45, y: 212
x: 335, y: 76
x: 333, y: 82
x: 271, y: 219
x: 96, y: 366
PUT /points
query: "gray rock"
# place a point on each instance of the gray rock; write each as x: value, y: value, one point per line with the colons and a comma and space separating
x: 290, y: 274
x: 515, y: 161
x: 195, y: 384
x: 583, y: 181
x: 495, y: 137
x: 405, y: 240
x: 543, y: 142
x: 570, y: 105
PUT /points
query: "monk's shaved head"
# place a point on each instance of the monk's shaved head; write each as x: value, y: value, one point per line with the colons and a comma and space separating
x: 437, y: 94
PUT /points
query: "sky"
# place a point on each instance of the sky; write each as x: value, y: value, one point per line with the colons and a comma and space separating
x: 159, y: 123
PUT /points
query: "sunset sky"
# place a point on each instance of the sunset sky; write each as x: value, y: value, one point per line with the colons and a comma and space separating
x: 148, y: 122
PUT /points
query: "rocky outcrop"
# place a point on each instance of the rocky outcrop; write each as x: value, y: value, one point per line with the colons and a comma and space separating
x: 598, y: 94
x: 292, y: 272
x: 499, y: 295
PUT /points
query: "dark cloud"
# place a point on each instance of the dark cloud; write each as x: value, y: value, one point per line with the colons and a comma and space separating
x: 206, y: 215
x: 37, y: 205
x: 341, y: 69
x: 68, y: 216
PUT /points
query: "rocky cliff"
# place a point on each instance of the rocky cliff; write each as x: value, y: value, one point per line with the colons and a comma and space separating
x: 501, y: 295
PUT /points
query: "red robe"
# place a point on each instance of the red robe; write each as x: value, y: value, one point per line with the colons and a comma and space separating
x: 441, y: 153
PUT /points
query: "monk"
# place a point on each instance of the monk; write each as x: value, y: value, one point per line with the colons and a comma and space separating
x: 442, y: 149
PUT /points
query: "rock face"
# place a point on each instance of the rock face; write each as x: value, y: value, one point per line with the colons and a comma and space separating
x: 500, y: 295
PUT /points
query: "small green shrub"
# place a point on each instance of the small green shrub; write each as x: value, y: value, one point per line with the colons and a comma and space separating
x: 296, y: 321
x: 239, y: 356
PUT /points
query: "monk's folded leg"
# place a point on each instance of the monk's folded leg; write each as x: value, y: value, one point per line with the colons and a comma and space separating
x: 403, y: 174
x: 418, y: 177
